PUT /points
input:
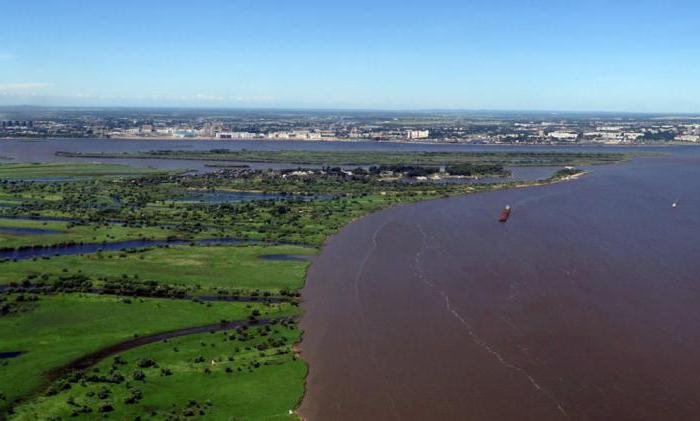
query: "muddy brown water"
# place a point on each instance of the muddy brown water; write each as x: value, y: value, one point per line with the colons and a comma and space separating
x: 584, y: 305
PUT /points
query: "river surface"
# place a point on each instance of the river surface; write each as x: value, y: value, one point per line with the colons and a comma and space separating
x: 584, y: 305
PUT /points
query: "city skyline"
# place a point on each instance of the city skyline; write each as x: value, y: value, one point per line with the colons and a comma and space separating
x: 507, y: 55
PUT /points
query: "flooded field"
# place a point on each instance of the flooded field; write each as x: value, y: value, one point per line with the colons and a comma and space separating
x: 584, y: 305
x: 85, y: 248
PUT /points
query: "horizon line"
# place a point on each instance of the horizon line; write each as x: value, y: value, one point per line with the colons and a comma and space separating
x: 350, y: 109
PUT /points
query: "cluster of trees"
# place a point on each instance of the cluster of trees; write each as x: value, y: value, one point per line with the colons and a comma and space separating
x: 102, y: 394
x: 142, y: 288
x: 658, y: 137
x: 16, y: 303
x: 566, y: 172
x: 474, y: 170
x: 49, y: 283
x: 408, y: 170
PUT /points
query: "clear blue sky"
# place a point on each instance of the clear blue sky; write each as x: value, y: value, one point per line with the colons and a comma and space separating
x: 612, y: 55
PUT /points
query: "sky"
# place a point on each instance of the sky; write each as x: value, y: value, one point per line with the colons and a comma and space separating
x: 566, y: 55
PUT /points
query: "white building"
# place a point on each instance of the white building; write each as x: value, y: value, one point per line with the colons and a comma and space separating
x: 417, y: 134
x: 688, y: 138
x: 568, y: 136
x: 235, y: 135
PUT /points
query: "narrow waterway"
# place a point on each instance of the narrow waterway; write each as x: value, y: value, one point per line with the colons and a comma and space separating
x: 31, y: 252
x: 584, y: 305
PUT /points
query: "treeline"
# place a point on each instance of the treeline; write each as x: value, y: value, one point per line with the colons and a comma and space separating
x: 408, y: 170
x: 466, y: 170
x: 566, y: 172
x: 473, y: 170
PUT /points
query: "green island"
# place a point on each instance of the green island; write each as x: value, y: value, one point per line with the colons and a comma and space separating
x: 139, y: 294
x: 365, y: 158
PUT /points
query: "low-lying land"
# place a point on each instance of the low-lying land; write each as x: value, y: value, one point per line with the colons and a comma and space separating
x: 53, y: 330
x: 61, y: 171
x: 197, y: 269
x: 53, y: 233
x: 56, y: 309
x: 249, y: 371
x: 364, y: 158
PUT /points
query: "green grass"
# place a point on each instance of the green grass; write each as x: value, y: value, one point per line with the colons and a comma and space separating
x: 231, y: 267
x: 266, y: 392
x: 73, y: 233
x: 69, y: 170
x: 62, y: 328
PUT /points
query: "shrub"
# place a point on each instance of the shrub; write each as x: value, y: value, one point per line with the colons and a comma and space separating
x: 107, y: 407
x: 138, y: 375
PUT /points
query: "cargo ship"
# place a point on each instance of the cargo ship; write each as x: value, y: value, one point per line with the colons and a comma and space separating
x: 504, y: 214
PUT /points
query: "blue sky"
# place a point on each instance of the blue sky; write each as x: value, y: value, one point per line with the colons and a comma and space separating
x: 614, y: 55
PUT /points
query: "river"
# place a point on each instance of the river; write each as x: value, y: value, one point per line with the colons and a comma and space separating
x: 584, y: 305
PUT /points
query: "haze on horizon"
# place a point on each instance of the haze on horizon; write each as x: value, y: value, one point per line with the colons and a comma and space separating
x: 632, y: 56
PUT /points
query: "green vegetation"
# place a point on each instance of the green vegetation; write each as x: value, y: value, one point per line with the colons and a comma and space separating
x: 56, y: 329
x: 67, y: 232
x: 204, y: 268
x: 470, y: 169
x: 566, y: 173
x: 245, y: 371
x: 68, y: 170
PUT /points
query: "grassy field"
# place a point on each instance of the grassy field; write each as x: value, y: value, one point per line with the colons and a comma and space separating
x: 231, y: 267
x: 68, y: 232
x: 221, y: 376
x: 57, y: 329
x: 68, y: 170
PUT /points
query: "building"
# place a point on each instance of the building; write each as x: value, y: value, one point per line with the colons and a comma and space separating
x: 566, y: 136
x: 236, y: 135
x: 688, y: 138
x: 417, y: 134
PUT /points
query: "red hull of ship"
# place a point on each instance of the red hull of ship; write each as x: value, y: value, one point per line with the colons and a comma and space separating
x: 504, y: 215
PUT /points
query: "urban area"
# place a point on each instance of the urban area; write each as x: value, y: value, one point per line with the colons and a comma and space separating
x: 283, y: 125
